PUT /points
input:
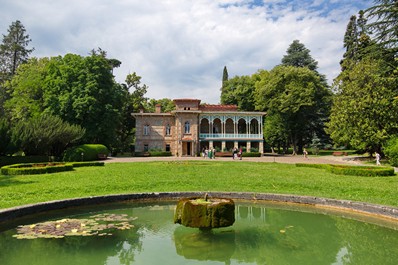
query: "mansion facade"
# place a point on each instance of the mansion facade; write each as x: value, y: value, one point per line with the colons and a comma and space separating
x: 192, y: 127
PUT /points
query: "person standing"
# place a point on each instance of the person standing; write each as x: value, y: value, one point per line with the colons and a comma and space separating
x: 378, y: 159
x: 240, y: 153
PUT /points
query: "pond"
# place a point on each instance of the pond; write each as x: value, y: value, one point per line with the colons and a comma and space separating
x: 263, y: 233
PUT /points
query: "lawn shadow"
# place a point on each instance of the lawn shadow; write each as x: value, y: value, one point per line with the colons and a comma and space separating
x: 12, y: 180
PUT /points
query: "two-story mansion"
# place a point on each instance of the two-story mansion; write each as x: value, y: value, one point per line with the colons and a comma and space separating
x: 191, y: 127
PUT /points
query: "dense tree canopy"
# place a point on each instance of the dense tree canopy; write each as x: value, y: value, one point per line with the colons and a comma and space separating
x: 298, y: 98
x: 364, y: 113
x: 80, y: 90
x: 239, y: 91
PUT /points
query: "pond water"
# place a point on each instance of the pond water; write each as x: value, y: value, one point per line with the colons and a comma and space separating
x: 264, y: 233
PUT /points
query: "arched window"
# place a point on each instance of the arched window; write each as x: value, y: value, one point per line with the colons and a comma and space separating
x: 187, y: 127
x: 168, y: 129
x: 146, y: 129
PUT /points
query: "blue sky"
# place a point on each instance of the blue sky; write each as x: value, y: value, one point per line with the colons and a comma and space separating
x: 180, y: 47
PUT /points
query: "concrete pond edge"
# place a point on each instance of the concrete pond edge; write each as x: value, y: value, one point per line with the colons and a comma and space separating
x: 381, y: 211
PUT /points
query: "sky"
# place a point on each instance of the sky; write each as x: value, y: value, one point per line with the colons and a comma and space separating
x: 180, y: 47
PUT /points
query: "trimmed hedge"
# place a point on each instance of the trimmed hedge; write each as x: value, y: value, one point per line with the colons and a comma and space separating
x: 35, y: 168
x: 44, y: 168
x: 87, y: 164
x: 91, y: 152
x: 159, y: 153
x: 11, y: 160
x: 353, y: 170
x: 251, y: 154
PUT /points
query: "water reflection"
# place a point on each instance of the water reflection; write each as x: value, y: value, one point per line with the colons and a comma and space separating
x: 262, y: 234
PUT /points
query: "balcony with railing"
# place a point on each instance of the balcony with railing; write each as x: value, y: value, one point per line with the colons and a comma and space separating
x: 230, y: 136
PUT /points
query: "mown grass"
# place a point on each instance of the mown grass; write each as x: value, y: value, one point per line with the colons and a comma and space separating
x: 118, y: 178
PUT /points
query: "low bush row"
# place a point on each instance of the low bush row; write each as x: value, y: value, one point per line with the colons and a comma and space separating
x: 86, y: 152
x: 251, y: 154
x: 353, y: 170
x: 44, y: 168
x: 152, y: 153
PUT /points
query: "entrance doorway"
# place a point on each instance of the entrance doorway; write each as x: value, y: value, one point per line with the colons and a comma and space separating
x: 187, y: 148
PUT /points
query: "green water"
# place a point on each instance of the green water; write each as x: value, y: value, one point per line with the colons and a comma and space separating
x: 262, y: 234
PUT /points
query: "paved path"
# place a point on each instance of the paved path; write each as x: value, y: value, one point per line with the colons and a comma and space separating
x: 278, y: 159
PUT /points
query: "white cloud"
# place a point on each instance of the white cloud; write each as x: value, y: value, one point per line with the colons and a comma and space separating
x: 180, y: 47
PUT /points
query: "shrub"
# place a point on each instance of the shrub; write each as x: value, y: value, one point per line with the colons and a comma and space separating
x: 391, y: 151
x: 44, y: 168
x: 85, y: 152
x: 252, y: 154
x: 159, y: 153
x: 353, y: 170
x: 30, y: 169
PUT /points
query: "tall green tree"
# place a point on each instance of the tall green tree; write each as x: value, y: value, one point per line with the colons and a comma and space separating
x: 13, y: 52
x: 299, y: 56
x: 224, y: 77
x: 364, y: 113
x: 298, y: 97
x: 239, y: 91
x: 80, y: 90
x: 357, y: 42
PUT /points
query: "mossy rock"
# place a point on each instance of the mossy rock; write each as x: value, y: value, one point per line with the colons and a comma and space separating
x: 205, y: 214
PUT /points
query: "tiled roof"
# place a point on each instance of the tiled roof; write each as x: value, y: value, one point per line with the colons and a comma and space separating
x: 208, y: 107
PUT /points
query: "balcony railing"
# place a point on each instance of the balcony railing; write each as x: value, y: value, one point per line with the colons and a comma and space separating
x: 229, y: 136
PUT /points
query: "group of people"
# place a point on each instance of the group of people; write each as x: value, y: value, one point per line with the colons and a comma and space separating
x: 237, y: 153
x: 209, y: 153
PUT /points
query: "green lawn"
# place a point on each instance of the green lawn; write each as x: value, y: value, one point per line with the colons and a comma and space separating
x: 117, y: 178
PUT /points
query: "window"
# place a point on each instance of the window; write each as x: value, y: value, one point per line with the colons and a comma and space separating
x: 146, y: 129
x: 187, y: 127
x: 168, y: 129
x: 167, y: 148
x: 146, y: 148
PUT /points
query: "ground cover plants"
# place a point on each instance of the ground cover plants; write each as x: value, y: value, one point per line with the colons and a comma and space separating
x: 207, y: 176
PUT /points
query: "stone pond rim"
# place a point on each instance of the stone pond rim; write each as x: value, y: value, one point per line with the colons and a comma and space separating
x: 381, y: 211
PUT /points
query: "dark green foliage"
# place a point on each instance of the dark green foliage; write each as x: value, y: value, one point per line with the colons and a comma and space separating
x: 80, y: 90
x: 30, y: 169
x: 364, y: 112
x: 13, y: 50
x: 383, y: 16
x: 85, y: 152
x: 298, y: 55
x: 251, y: 154
x: 10, y: 160
x: 159, y: 153
x: 45, y: 135
x: 44, y: 168
x: 87, y: 164
x: 298, y: 100
x: 166, y: 104
x: 353, y: 170
x: 239, y: 91
x: 391, y: 151
x: 6, y: 146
